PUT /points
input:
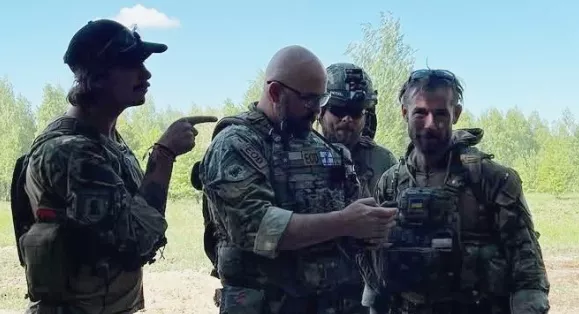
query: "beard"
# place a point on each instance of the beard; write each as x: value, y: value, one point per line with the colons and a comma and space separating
x: 300, y: 126
x: 342, y: 134
x: 430, y: 143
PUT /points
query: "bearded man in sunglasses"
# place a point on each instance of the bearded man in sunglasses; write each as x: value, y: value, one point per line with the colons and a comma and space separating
x: 284, y: 200
x: 464, y: 241
x: 96, y: 218
x: 344, y: 120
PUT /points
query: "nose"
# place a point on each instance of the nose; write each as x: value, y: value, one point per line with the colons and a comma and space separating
x: 429, y: 122
x: 347, y: 118
x: 146, y: 74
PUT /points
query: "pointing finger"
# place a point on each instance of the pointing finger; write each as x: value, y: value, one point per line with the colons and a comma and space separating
x: 200, y: 119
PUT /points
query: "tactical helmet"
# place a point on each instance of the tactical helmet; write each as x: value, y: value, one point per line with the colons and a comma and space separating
x: 350, y: 85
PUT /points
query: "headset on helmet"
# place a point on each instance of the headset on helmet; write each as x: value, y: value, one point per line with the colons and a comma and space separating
x: 350, y: 85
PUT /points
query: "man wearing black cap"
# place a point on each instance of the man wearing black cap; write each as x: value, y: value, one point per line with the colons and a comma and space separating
x: 97, y: 217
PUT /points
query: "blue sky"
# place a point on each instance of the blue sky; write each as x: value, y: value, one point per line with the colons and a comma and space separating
x: 523, y: 53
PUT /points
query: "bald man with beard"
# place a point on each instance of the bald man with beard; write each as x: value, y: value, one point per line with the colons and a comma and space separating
x: 284, y: 201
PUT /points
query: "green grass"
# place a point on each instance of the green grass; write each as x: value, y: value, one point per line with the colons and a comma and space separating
x: 556, y: 219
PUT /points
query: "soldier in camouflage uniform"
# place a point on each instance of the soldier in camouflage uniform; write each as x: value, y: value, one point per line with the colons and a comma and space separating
x: 343, y: 120
x: 98, y: 217
x: 464, y: 240
x: 346, y: 118
x: 284, y: 200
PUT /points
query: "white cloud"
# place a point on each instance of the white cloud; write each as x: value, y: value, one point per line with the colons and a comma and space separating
x: 145, y: 18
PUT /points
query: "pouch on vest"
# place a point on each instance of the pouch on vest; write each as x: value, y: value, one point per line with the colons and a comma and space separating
x: 424, y: 253
x: 46, y: 261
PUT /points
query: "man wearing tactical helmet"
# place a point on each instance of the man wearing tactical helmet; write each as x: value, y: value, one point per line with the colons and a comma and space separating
x: 347, y: 118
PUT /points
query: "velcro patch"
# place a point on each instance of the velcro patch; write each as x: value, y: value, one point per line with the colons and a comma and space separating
x: 311, y: 158
x: 468, y: 159
x: 252, y: 155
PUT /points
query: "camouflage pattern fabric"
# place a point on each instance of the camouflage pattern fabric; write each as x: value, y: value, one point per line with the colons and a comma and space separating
x: 502, y: 269
x: 254, y: 181
x: 92, y: 183
x: 371, y: 161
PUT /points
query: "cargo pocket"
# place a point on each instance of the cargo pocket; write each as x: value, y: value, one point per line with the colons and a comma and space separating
x: 496, y: 271
x: 237, y: 300
x: 46, y: 262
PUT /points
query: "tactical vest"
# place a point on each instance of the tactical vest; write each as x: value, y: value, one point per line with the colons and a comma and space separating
x: 446, y: 243
x: 308, y: 176
x: 48, y: 266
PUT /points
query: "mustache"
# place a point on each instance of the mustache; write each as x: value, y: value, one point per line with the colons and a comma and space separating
x: 345, y: 127
x: 428, y: 135
x: 143, y: 85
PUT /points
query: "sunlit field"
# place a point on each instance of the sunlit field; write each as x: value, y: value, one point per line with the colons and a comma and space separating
x: 180, y: 281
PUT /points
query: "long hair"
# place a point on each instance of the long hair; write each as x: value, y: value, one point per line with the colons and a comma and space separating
x: 84, y: 89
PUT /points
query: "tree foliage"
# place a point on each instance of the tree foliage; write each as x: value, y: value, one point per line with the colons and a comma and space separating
x: 544, y: 153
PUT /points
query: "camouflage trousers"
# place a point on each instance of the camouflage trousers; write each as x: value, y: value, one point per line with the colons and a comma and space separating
x: 234, y: 300
x: 401, y: 306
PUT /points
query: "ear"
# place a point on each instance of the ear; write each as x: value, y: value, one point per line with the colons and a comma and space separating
x: 274, y: 92
x: 404, y: 110
x: 457, y: 111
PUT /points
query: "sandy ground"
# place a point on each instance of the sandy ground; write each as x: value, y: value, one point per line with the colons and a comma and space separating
x: 191, y: 291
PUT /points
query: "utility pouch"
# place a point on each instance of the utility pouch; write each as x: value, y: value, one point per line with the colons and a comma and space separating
x: 46, y: 262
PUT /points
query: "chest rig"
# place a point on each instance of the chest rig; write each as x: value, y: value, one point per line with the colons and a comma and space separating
x: 435, y: 227
x: 308, y: 176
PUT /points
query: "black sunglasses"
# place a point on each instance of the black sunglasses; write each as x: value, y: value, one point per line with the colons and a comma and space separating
x: 123, y: 41
x: 313, y: 101
x: 342, y: 111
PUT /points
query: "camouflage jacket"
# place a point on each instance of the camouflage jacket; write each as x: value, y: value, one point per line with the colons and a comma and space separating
x: 92, y: 184
x: 501, y: 257
x: 254, y: 181
x: 371, y: 161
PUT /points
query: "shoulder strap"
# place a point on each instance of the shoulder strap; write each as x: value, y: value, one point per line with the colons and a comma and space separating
x: 471, y: 160
x: 392, y: 190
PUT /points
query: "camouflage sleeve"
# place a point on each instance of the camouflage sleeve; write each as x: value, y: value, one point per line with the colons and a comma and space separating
x: 97, y: 203
x: 381, y: 191
x: 517, y: 233
x: 236, y: 180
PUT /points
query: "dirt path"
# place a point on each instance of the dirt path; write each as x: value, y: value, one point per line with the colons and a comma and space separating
x: 191, y: 291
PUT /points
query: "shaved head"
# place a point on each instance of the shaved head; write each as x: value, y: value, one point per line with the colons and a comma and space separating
x: 294, y: 89
x: 297, y: 67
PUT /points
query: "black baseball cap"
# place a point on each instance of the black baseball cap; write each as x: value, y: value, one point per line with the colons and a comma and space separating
x: 106, y: 42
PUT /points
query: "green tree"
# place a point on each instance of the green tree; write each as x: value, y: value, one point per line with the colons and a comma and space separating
x: 388, y: 60
x: 254, y: 90
x: 230, y: 108
x: 53, y: 104
x: 18, y: 128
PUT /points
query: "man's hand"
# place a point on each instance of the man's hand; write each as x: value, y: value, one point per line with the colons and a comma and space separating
x: 180, y: 135
x: 365, y: 219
